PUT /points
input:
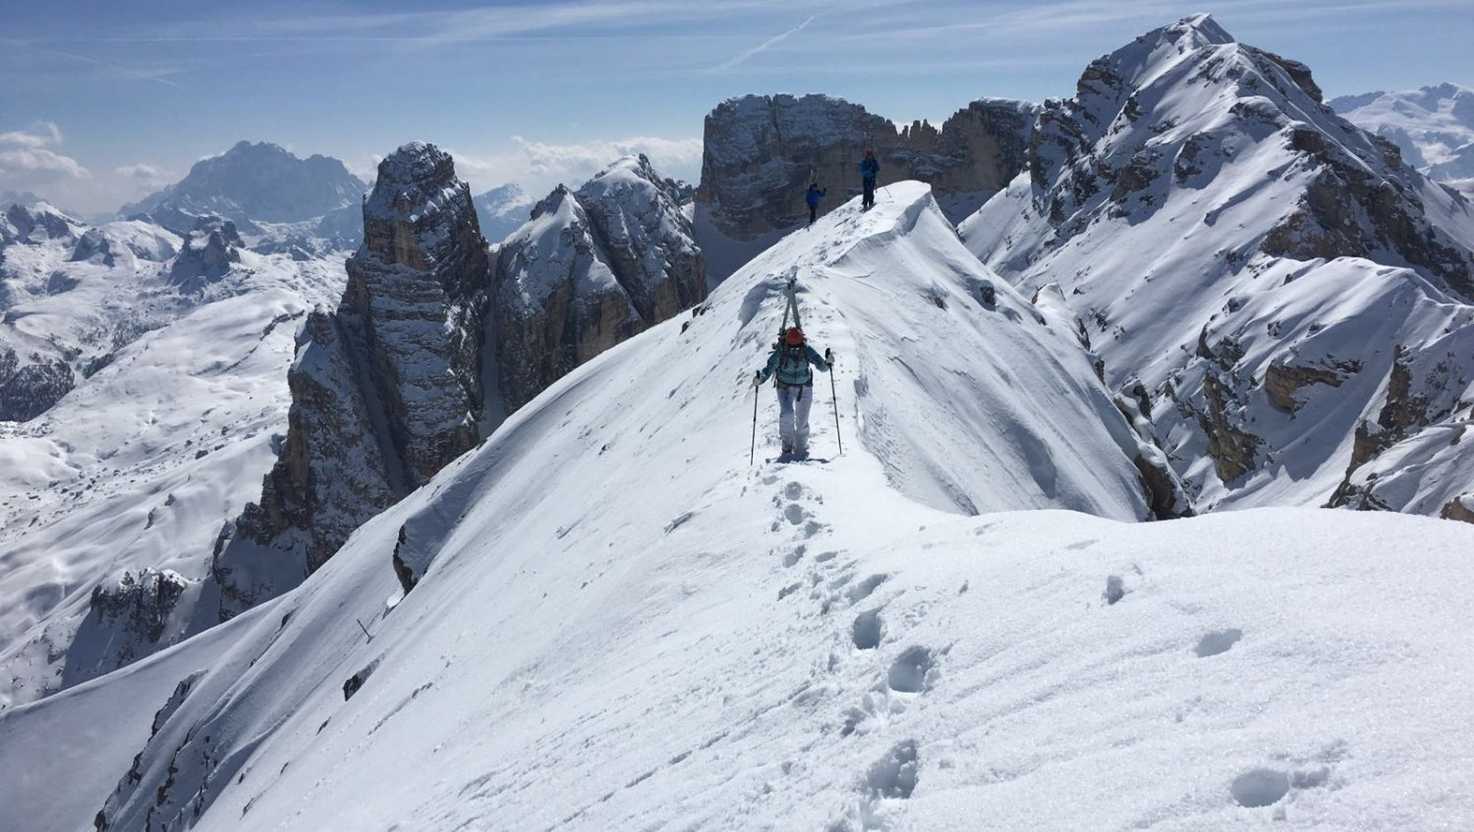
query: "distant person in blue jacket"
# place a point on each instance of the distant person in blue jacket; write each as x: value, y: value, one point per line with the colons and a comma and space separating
x: 869, y: 169
x: 790, y: 361
x: 814, y: 194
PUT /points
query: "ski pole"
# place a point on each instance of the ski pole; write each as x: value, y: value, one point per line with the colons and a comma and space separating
x: 752, y: 452
x: 833, y: 397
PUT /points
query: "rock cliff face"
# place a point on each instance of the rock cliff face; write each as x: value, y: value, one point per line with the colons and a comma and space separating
x: 590, y: 269
x: 762, y: 151
x: 386, y: 390
x: 1257, y: 266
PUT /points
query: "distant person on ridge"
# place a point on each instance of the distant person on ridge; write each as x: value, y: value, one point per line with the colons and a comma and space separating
x: 790, y: 361
x: 869, y: 169
x: 814, y: 194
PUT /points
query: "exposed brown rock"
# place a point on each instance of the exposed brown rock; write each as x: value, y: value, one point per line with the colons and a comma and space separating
x: 1232, y: 449
x: 1282, y: 381
x: 1457, y: 509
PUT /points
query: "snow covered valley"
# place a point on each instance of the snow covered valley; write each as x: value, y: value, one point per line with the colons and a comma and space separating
x: 620, y: 624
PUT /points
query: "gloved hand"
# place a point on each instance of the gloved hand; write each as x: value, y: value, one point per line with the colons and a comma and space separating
x: 829, y: 356
x: 757, y: 377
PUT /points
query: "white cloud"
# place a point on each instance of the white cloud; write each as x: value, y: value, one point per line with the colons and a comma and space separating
x: 26, y: 157
x: 538, y: 166
x: 143, y: 178
x: 42, y: 134
x: 140, y: 170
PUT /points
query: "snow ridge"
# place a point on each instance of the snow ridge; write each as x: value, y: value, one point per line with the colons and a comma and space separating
x: 827, y: 653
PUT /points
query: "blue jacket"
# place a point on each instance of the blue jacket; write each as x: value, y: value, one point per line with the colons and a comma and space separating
x: 791, y: 364
x: 813, y: 195
x: 869, y: 168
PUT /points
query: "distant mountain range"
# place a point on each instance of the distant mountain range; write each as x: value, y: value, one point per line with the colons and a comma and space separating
x: 1433, y: 126
x: 257, y: 182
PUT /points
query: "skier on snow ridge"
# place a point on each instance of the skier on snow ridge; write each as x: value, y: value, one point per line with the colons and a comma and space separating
x: 812, y: 197
x: 869, y: 169
x: 790, y: 362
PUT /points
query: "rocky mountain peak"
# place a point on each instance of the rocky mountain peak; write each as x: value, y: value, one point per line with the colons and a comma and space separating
x: 1194, y: 173
x: 419, y: 211
x: 551, y: 203
x: 253, y: 181
x: 386, y: 390
x: 589, y: 269
x: 36, y: 222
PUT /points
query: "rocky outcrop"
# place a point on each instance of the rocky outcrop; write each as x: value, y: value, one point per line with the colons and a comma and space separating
x: 29, y: 388
x: 385, y: 390
x: 331, y: 474
x: 590, y: 269
x: 760, y: 153
x: 413, y: 308
x: 209, y: 251
x: 93, y: 244
x: 1283, y: 380
x: 137, y: 606
x: 1460, y: 508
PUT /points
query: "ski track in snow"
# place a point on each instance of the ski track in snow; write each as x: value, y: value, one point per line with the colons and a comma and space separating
x: 627, y: 627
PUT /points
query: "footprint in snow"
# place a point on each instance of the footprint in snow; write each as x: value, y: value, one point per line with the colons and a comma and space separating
x: 895, y: 775
x: 792, y: 558
x: 862, y: 590
x: 913, y: 671
x: 1218, y: 641
x: 867, y: 630
x: 1259, y: 787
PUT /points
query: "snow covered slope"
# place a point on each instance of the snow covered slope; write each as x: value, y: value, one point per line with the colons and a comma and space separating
x: 1285, y: 299
x: 618, y: 624
x: 1009, y: 417
x: 111, y: 498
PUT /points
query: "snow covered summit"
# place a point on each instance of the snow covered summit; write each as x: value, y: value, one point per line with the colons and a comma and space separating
x: 1282, y: 295
x: 616, y: 623
x: 257, y: 181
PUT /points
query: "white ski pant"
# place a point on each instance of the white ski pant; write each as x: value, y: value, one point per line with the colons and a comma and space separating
x: 793, y: 416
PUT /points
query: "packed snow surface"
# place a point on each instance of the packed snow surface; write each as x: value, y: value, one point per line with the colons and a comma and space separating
x: 623, y: 625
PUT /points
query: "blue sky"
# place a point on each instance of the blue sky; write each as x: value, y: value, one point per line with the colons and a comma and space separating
x: 104, y: 101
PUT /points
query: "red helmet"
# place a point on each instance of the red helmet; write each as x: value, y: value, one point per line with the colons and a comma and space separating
x: 793, y: 337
